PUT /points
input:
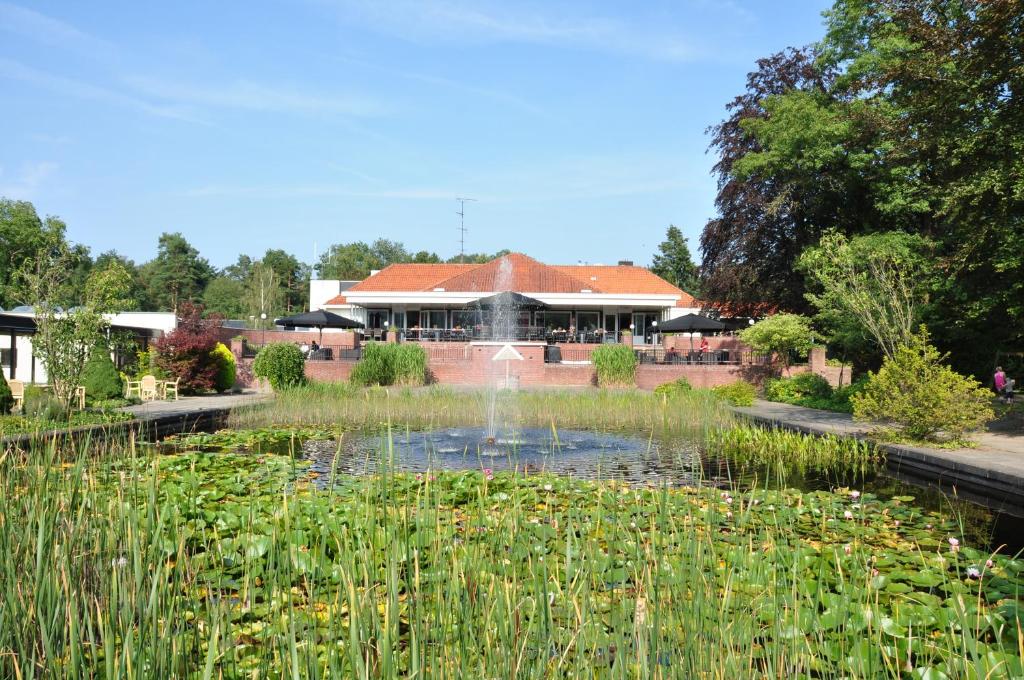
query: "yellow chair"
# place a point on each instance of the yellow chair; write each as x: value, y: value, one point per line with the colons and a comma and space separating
x: 148, y: 388
x: 171, y: 386
x: 18, y: 390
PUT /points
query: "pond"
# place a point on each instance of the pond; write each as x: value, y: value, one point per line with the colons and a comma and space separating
x: 636, y: 459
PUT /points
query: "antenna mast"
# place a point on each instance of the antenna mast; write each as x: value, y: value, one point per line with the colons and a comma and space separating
x: 461, y: 212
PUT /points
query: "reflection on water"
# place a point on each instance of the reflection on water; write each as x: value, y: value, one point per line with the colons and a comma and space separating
x: 586, y: 455
x: 634, y: 459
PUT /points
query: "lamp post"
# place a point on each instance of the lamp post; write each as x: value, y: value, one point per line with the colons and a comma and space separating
x: 263, y: 323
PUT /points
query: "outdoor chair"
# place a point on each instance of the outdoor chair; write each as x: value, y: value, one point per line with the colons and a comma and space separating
x: 170, y: 387
x: 148, y: 388
x: 18, y: 392
x: 132, y: 388
x: 79, y: 396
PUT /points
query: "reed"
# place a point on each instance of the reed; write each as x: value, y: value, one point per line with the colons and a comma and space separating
x: 433, y: 407
x: 116, y: 564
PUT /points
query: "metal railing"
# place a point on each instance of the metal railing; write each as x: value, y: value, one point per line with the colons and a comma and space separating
x: 722, y: 357
x: 515, y: 334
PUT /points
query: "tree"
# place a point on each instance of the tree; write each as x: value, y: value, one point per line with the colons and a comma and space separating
x: 292, y: 277
x: 187, y: 352
x: 23, y: 235
x: 223, y: 296
x: 63, y: 339
x: 347, y: 261
x: 477, y: 258
x: 137, y: 288
x: 877, y: 283
x: 240, y: 270
x: 924, y: 398
x: 674, y: 263
x: 110, y: 290
x: 178, y: 274
x: 100, y: 377
x: 781, y: 334
x: 263, y: 295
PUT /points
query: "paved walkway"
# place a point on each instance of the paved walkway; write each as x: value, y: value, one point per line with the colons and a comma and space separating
x: 158, y: 409
x: 995, y: 466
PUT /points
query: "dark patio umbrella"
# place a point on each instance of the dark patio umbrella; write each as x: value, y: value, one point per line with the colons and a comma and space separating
x: 318, y: 319
x: 508, y: 300
x: 690, y: 322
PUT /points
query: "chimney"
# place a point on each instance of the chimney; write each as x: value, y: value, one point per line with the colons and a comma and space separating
x: 625, y: 263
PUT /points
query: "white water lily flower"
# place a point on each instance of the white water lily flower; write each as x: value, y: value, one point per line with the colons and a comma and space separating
x: 848, y: 515
x: 855, y: 494
x: 120, y: 562
x: 972, y: 572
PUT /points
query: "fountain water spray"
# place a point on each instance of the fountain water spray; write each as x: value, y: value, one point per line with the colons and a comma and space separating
x: 504, y: 317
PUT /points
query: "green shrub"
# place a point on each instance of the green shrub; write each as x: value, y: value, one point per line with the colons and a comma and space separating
x: 798, y: 388
x: 615, y: 365
x: 100, y: 376
x: 410, y: 364
x: 41, y: 405
x: 922, y: 397
x: 281, y: 364
x: 226, y: 367
x: 375, y: 367
x: 6, y: 397
x: 739, y: 393
x: 146, y: 364
x: 674, y: 388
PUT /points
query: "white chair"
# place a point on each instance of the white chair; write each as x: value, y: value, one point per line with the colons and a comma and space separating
x: 18, y: 391
x: 148, y: 388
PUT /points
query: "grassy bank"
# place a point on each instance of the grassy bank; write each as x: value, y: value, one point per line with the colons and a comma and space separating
x: 432, y: 407
x: 221, y: 565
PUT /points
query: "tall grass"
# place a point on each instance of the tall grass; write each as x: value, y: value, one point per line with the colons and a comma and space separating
x: 607, y: 410
x: 615, y: 365
x: 391, y: 364
x: 118, y: 566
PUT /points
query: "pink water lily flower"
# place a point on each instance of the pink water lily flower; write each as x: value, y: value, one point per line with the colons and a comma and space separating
x: 847, y: 548
x: 855, y: 494
x: 989, y: 564
x: 848, y: 515
x: 488, y: 473
x: 972, y: 572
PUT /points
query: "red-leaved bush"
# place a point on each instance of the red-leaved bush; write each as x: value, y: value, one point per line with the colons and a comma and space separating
x: 186, y: 352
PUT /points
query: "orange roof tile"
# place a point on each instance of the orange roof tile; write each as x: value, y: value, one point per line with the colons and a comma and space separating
x: 518, y: 273
x: 410, y: 277
x: 337, y: 300
x: 515, y: 272
x: 625, y: 279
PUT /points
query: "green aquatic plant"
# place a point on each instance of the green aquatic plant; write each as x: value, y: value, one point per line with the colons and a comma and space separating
x: 240, y: 565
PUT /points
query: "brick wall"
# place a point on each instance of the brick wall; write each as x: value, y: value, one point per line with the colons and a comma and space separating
x: 329, y: 371
x: 341, y: 339
x: 715, y: 342
x: 649, y: 376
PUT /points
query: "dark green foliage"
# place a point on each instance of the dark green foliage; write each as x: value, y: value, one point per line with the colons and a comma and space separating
x: 906, y: 117
x: 800, y: 386
x: 615, y: 365
x: 281, y: 364
x: 674, y: 263
x: 6, y: 398
x: 100, y: 377
x: 674, y: 388
x: 739, y: 393
x: 812, y: 391
x: 391, y: 364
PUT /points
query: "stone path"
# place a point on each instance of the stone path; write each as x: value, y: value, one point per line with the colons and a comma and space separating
x: 157, y: 409
x: 994, y: 469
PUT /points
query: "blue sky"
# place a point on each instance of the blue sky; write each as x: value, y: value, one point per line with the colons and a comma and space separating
x: 579, y: 127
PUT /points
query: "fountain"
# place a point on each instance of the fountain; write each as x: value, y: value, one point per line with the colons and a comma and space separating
x: 504, y: 317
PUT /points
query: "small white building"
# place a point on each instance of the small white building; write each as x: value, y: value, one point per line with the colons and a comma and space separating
x: 19, y: 362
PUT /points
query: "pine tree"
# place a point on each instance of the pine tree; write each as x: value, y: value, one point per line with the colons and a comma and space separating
x: 674, y: 262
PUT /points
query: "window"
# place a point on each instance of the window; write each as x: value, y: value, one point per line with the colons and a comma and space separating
x: 399, y: 321
x: 5, y: 358
x: 554, y: 320
x: 433, y: 318
x: 375, y: 318
x: 464, y: 318
x: 588, y: 321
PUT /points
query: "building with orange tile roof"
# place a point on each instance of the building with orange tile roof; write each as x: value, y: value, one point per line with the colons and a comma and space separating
x: 586, y: 298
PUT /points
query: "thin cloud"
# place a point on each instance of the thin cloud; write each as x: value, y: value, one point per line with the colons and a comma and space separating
x: 13, y: 70
x: 31, y: 177
x: 478, y: 22
x: 49, y: 31
x: 251, y: 96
